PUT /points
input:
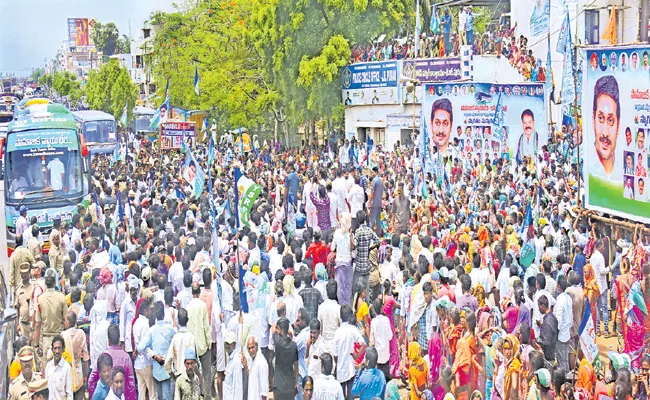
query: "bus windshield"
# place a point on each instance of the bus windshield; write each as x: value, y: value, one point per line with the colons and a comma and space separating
x: 99, y: 132
x: 142, y: 123
x: 43, y: 162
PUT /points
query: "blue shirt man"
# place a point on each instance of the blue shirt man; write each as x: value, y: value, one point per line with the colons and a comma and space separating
x: 446, y: 22
x: 369, y: 383
x: 155, y: 345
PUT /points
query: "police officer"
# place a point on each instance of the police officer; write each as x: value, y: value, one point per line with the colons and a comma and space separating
x: 22, y: 300
x: 19, y: 387
x: 38, y: 390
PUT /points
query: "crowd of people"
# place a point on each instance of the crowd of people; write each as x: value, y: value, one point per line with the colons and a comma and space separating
x: 500, y: 41
x: 357, y: 275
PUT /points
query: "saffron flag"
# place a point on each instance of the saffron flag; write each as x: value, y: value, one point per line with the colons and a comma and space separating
x: 587, y: 334
x: 610, y: 30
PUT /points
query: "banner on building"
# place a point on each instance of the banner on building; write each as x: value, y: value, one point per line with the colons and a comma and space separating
x: 172, y: 135
x: 370, y: 83
x: 539, y: 20
x: 429, y: 71
x: 79, y: 32
x: 616, y: 121
x: 466, y: 111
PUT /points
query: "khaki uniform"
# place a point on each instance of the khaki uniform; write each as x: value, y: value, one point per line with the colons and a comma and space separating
x: 19, y: 387
x: 50, y: 312
x: 57, y: 257
x: 22, y: 304
x: 20, y: 255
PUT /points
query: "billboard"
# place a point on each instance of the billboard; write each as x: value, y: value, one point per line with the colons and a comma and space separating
x: 615, y: 145
x: 466, y: 110
x: 429, y: 70
x: 79, y: 32
x: 172, y: 135
x: 370, y: 83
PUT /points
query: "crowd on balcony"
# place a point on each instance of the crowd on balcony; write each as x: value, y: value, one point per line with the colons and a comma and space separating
x: 443, y: 40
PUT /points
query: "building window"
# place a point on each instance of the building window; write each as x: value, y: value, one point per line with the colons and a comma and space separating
x: 592, y: 26
x: 380, y: 136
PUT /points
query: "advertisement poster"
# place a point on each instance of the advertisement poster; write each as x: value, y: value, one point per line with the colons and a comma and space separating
x: 370, y: 83
x: 72, y: 32
x: 616, y: 120
x: 172, y: 135
x: 429, y: 71
x: 466, y: 111
x: 82, y: 34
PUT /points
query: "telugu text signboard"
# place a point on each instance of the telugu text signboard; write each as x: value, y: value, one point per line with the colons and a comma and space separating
x: 430, y: 70
x: 616, y: 120
x: 370, y: 83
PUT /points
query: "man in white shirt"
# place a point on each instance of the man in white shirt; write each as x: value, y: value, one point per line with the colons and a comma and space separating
x: 329, y: 315
x: 258, y: 370
x: 564, y: 313
x: 183, y: 339
x: 340, y: 190
x: 597, y: 261
x: 380, y: 336
x: 98, y: 338
x: 326, y: 387
x: 143, y: 364
x: 344, y: 153
x: 59, y: 374
x: 233, y: 384
x: 355, y: 199
x: 345, y: 337
x: 127, y: 313
x: 315, y: 349
x: 541, y: 291
x: 57, y: 172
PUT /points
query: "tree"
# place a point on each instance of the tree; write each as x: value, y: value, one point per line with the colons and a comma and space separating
x: 107, y: 39
x: 306, y: 43
x: 65, y: 83
x: 37, y: 74
x: 110, y: 90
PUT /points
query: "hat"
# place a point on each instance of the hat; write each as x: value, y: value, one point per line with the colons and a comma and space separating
x: 26, y: 353
x: 22, y: 209
x: 131, y: 193
x: 230, y: 337
x: 37, y: 386
x: 39, y: 264
x: 623, y: 244
x: 443, y: 272
x: 133, y: 282
x: 619, y: 360
x: 543, y: 377
x: 146, y: 273
x: 190, y: 354
x: 25, y: 267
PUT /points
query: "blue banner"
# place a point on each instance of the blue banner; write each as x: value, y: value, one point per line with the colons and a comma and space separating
x: 539, y: 20
x: 370, y: 83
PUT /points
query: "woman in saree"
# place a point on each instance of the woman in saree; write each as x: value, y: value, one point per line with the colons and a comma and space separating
x: 389, y: 306
x: 465, y: 366
x: 586, y: 376
x: 622, y: 285
x: 511, y: 383
x: 362, y: 313
x: 418, y: 371
x: 510, y: 314
x: 633, y: 329
x: 592, y: 292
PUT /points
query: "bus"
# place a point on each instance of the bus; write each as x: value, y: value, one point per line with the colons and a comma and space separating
x: 142, y: 121
x: 46, y: 168
x: 98, y: 129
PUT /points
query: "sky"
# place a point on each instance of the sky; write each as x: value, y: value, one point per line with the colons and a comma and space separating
x: 31, y: 31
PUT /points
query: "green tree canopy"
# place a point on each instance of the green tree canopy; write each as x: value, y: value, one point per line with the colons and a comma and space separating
x: 65, y: 83
x: 107, y: 39
x: 110, y: 90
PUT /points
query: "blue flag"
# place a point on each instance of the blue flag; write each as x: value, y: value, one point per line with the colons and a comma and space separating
x: 164, y: 182
x: 564, y: 36
x: 549, y: 72
x: 196, y: 81
x: 243, y: 300
x: 120, y: 208
x: 497, y: 120
x: 435, y: 20
x: 160, y: 116
x: 193, y: 174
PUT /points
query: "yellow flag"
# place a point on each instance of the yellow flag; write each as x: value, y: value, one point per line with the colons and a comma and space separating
x: 610, y: 30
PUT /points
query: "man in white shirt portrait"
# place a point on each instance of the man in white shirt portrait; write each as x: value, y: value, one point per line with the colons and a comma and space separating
x: 58, y: 373
x: 56, y: 172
